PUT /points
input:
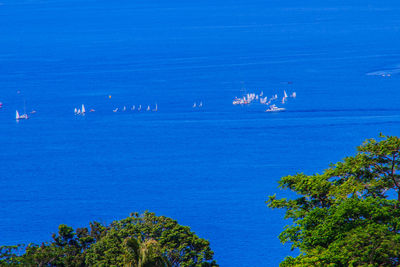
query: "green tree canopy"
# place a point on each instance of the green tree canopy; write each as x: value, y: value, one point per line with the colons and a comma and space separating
x: 137, y: 241
x: 350, y: 214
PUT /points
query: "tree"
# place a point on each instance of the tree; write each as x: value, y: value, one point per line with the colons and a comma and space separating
x: 138, y: 241
x: 350, y: 214
x: 158, y: 239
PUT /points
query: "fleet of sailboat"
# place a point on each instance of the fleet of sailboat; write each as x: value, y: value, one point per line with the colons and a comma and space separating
x: 253, y: 97
x: 245, y: 100
x: 78, y: 111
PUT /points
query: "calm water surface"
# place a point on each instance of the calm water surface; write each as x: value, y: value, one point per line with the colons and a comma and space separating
x: 211, y: 169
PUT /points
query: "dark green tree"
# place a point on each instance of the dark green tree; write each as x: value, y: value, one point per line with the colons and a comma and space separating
x: 138, y: 241
x: 159, y: 239
x: 350, y: 214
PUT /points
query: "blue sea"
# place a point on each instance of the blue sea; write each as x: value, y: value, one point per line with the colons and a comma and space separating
x: 211, y: 168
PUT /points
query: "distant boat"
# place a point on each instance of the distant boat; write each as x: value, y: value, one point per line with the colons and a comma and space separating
x: 124, y: 108
x: 263, y: 100
x: 115, y: 110
x: 133, y: 107
x: 79, y: 111
x: 139, y: 108
x: 83, y: 109
x: 200, y: 104
x: 274, y: 108
x: 20, y: 117
x: 293, y: 95
x: 148, y: 108
x: 194, y: 105
x: 284, y: 94
x: 76, y: 111
x: 283, y: 100
x: 92, y: 110
x: 156, y: 108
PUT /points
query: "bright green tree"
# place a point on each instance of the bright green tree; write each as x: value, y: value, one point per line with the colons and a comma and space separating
x: 350, y: 214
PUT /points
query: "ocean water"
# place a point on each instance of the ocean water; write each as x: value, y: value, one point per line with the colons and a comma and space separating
x: 209, y: 168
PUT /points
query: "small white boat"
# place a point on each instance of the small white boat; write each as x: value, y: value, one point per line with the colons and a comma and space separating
x: 79, y: 111
x: 20, y: 117
x: 124, y: 108
x: 200, y: 104
x: 284, y: 94
x: 293, y: 95
x: 139, y: 108
x: 283, y: 100
x: 76, y: 111
x: 115, y: 110
x: 133, y: 107
x: 274, y: 108
x: 83, y: 109
x: 148, y: 108
x: 156, y: 108
x: 194, y: 105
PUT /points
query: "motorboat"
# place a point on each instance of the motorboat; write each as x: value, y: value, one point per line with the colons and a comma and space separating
x: 274, y: 108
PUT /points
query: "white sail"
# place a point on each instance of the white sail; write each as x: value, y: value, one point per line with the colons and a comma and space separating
x: 294, y: 95
x: 17, y: 115
x: 75, y: 111
x: 79, y: 111
x: 148, y: 108
x: 194, y: 105
x: 284, y: 93
x: 201, y: 104
x: 83, y: 109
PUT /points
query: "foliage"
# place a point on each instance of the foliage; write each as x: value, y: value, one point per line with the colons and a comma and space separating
x: 170, y: 242
x: 349, y: 215
x: 137, y: 241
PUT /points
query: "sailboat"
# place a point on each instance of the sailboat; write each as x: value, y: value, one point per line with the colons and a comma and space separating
x: 294, y: 95
x: 76, y: 111
x: 148, y: 108
x: 133, y: 107
x: 156, y: 108
x: 201, y: 104
x: 139, y: 108
x: 284, y: 94
x: 194, y: 105
x: 20, y: 117
x: 83, y: 109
